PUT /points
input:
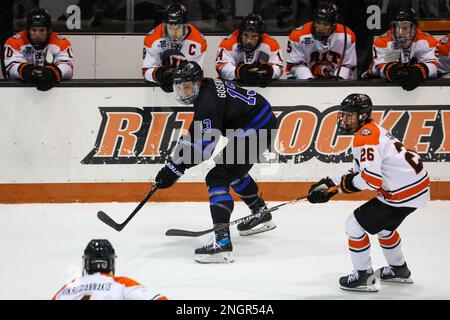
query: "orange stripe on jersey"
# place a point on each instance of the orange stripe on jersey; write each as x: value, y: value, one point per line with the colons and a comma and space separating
x: 406, y: 193
x: 382, y: 41
x: 154, y: 35
x: 271, y: 42
x: 18, y: 40
x: 390, y: 241
x: 340, y: 29
x: 374, y: 181
x: 444, y: 48
x: 161, y: 298
x: 368, y: 134
x: 228, y: 42
x: 197, y: 36
x: 420, y: 35
x: 299, y: 32
x: 59, y: 41
x: 122, y: 280
x: 360, y: 244
x: 54, y: 297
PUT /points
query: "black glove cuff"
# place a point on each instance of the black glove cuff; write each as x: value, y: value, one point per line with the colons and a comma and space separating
x: 347, y: 183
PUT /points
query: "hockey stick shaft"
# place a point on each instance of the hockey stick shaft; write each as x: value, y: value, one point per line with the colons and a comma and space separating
x: 118, y: 227
x: 343, y: 54
x: 187, y: 233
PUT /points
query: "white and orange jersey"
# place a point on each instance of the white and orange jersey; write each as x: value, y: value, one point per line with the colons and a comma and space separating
x: 423, y: 49
x: 160, y: 51
x: 103, y: 286
x: 385, y: 165
x: 309, y: 58
x: 444, y: 56
x: 18, y: 50
x: 230, y: 55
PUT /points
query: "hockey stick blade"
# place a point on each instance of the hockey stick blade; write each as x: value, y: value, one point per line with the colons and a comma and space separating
x: 110, y: 222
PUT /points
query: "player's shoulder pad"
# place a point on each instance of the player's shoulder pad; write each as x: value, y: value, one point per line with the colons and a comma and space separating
x: 301, y: 31
x: 122, y: 280
x: 196, y: 36
x: 154, y: 35
x: 340, y: 29
x: 421, y: 35
x: 368, y: 134
x: 230, y: 40
x: 383, y: 40
x: 444, y: 46
x: 58, y: 40
x: 270, y: 41
x: 18, y: 40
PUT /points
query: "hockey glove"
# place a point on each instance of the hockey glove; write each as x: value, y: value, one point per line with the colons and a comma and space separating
x: 26, y: 72
x: 317, y: 192
x: 164, y: 77
x: 395, y: 72
x: 265, y: 74
x: 347, y: 183
x: 247, y: 73
x: 417, y: 73
x: 51, y: 75
x: 169, y: 174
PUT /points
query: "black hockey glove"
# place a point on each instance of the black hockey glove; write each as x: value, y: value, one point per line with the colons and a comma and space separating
x: 169, y: 174
x: 417, y: 73
x: 317, y: 192
x: 347, y: 183
x: 50, y: 76
x: 27, y: 72
x: 265, y: 74
x: 395, y: 72
x: 164, y: 77
x: 247, y: 73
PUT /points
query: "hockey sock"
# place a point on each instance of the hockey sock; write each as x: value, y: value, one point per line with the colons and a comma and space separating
x: 358, y: 244
x: 390, y: 242
x: 247, y: 190
x: 221, y: 204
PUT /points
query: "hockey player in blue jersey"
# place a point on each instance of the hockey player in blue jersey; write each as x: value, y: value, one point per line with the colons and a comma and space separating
x: 221, y: 107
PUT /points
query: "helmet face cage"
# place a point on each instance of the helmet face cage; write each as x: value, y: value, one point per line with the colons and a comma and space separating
x: 99, y: 256
x: 327, y: 13
x: 186, y: 82
x: 253, y: 23
x: 38, y: 18
x: 176, y: 16
x: 183, y: 87
x: 354, y: 112
x: 402, y: 17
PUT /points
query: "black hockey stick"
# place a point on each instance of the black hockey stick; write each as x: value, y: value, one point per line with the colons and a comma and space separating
x: 119, y: 226
x: 187, y: 233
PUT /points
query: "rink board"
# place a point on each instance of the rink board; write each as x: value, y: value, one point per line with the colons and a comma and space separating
x: 107, y: 143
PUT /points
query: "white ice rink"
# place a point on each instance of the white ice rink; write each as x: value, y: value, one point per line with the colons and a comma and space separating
x: 41, y: 248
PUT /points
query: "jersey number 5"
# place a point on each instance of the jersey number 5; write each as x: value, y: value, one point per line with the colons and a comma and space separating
x: 409, y: 157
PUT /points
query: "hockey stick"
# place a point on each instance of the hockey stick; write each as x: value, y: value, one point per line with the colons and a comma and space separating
x: 118, y: 227
x: 187, y: 233
x: 343, y: 54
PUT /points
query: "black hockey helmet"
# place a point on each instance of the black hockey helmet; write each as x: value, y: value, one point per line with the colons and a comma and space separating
x: 99, y: 256
x: 405, y: 15
x: 326, y: 12
x: 254, y: 23
x: 355, y: 110
x: 176, y: 14
x: 38, y: 17
x: 188, y: 73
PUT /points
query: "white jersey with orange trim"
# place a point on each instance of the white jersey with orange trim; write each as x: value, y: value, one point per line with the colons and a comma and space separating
x: 160, y: 51
x: 18, y: 50
x: 230, y: 55
x: 309, y: 58
x: 444, y: 56
x: 423, y: 49
x: 385, y: 165
x: 103, y: 286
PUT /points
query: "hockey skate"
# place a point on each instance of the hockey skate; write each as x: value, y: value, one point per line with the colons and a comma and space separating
x: 363, y: 281
x: 397, y: 274
x: 257, y: 225
x: 218, y: 250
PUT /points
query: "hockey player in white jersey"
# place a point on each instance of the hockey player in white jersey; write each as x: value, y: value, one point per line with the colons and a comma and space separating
x: 444, y: 57
x: 37, y: 55
x: 405, y: 54
x: 249, y: 54
x: 99, y: 282
x: 321, y: 49
x: 170, y: 43
x: 382, y: 163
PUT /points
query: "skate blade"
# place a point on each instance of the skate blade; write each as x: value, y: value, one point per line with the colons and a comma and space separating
x: 263, y: 227
x: 399, y: 280
x: 370, y: 288
x: 222, y: 257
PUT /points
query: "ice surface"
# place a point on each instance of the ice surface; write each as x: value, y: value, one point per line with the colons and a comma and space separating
x: 41, y: 248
